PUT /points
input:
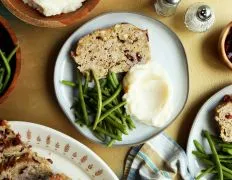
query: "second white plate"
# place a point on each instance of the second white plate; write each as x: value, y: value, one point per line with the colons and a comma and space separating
x: 166, y: 49
x: 203, y: 121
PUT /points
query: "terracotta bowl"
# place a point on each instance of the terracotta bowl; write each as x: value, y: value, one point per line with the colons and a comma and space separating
x: 32, y: 16
x: 221, y: 45
x: 8, y: 41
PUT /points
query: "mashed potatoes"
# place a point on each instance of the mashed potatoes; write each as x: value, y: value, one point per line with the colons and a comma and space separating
x: 54, y: 7
x: 148, y: 94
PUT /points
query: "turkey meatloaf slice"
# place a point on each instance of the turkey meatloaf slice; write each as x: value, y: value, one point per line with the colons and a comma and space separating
x: 117, y: 48
x: 223, y: 116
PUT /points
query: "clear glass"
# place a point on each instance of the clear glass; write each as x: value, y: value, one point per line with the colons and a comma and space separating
x: 164, y: 8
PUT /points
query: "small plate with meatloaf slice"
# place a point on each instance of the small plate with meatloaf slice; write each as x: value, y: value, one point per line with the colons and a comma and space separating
x: 215, y: 117
x: 32, y: 151
x: 165, y: 48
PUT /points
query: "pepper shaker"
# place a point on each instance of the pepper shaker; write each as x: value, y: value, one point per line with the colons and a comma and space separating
x: 166, y: 7
x: 199, y: 17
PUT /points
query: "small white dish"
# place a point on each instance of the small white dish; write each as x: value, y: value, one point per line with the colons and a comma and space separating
x: 68, y: 155
x: 203, y: 121
x: 166, y: 49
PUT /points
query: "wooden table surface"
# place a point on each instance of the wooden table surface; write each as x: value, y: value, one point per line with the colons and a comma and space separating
x: 34, y: 98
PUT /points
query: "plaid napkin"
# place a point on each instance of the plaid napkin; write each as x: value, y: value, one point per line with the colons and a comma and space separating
x: 161, y: 158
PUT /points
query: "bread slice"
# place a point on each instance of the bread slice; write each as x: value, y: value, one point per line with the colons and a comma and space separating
x: 19, y: 162
x: 117, y: 48
x: 223, y: 116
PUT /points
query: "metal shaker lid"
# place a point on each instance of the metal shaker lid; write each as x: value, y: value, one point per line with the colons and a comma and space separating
x: 173, y: 1
x: 204, y: 12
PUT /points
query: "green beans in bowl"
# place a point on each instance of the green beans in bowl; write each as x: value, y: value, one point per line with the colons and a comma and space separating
x: 10, y: 60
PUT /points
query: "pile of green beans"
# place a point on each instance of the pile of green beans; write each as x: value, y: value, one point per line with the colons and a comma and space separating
x: 5, y: 69
x: 101, y: 107
x: 219, y: 162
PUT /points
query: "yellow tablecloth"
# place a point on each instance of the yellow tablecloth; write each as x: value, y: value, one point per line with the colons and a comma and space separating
x: 34, y: 99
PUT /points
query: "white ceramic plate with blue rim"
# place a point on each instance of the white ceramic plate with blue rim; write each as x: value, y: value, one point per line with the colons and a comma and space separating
x: 166, y: 49
x: 68, y: 155
x: 204, y: 121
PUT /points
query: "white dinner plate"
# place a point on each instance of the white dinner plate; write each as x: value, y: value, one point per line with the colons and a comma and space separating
x: 68, y: 155
x: 166, y: 49
x: 203, y: 121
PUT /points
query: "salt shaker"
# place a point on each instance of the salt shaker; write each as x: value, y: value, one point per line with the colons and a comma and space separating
x: 199, y: 17
x: 166, y: 7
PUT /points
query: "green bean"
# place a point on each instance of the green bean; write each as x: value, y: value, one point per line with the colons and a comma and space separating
x: 2, y: 71
x: 105, y: 110
x: 207, y: 162
x: 103, y: 83
x: 227, y: 150
x: 81, y: 98
x: 198, y: 146
x: 228, y: 165
x: 205, y: 172
x: 226, y: 169
x: 200, y: 155
x: 227, y: 172
x: 115, y: 118
x: 95, y: 96
x: 100, y: 136
x: 111, y: 81
x: 111, y: 142
x: 224, y: 145
x: 111, y: 110
x: 104, y: 125
x: 12, y: 53
x: 106, y: 92
x: 116, y: 83
x: 110, y: 105
x: 215, y: 155
x: 227, y: 175
x: 110, y: 99
x: 99, y: 102
x: 100, y: 124
x: 124, y: 122
x: 108, y: 127
x: 226, y: 161
x: 119, y: 133
x: 86, y: 85
x: 76, y: 105
x: 68, y: 83
x: 115, y: 78
x: 130, y: 122
x: 225, y: 157
x: 117, y: 125
x: 8, y: 70
x: 108, y: 133
x: 115, y: 101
